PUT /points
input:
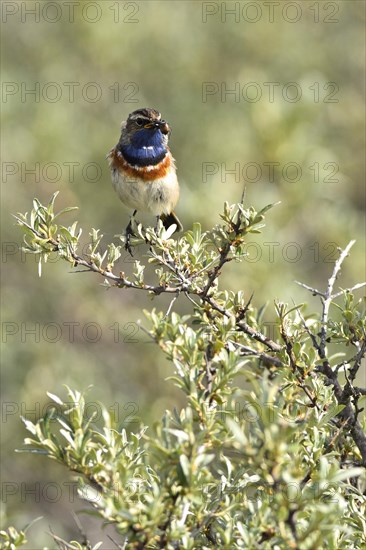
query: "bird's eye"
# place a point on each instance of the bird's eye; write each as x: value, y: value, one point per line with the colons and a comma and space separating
x: 139, y: 121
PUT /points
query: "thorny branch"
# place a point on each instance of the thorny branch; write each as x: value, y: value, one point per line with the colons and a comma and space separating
x: 346, y: 395
x: 327, y: 300
x: 122, y: 282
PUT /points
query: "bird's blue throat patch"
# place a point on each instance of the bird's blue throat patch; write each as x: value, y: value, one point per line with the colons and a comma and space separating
x: 145, y: 149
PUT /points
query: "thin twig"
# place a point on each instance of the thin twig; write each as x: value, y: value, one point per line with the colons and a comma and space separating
x: 356, y: 287
x: 61, y: 543
x: 209, y: 354
x: 243, y: 311
x: 308, y: 331
x: 186, y: 294
x: 85, y: 541
x: 171, y: 305
x: 328, y: 297
x: 116, y: 543
x: 247, y: 351
x: 242, y: 325
x: 147, y: 332
x: 314, y: 291
x: 224, y: 252
x: 292, y: 524
x: 357, y: 360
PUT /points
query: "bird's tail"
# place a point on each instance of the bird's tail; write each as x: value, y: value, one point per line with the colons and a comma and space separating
x: 169, y: 219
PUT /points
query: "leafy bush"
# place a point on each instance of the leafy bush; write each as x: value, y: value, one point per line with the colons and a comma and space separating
x: 270, y: 449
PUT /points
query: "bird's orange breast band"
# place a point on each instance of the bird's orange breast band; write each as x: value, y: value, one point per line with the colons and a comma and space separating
x: 150, y: 173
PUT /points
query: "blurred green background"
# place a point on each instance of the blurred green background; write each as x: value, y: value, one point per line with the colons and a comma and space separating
x: 276, y: 84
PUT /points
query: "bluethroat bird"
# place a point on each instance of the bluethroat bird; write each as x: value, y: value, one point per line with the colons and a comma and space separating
x: 143, y: 169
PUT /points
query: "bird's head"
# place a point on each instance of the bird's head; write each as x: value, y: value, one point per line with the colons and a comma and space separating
x: 145, y: 127
x: 144, y: 137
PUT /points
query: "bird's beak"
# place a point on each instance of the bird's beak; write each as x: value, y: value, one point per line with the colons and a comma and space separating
x: 164, y: 127
x: 159, y: 124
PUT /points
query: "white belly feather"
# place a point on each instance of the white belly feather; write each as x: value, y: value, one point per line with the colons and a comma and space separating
x: 158, y: 197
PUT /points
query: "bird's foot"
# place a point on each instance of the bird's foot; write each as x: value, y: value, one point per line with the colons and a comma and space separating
x: 128, y: 234
x: 157, y: 224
